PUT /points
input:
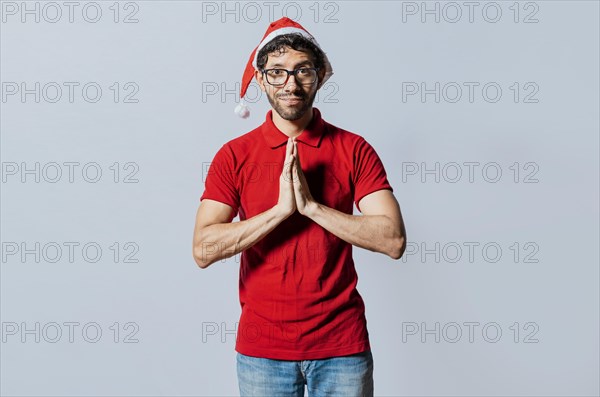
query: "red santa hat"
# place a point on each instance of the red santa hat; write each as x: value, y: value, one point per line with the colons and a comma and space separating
x: 280, y: 27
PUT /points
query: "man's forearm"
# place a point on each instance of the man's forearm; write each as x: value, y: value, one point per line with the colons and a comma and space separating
x: 372, y: 232
x: 222, y: 240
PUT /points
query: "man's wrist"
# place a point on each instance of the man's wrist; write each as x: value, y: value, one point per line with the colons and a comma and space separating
x: 312, y: 209
x: 279, y: 213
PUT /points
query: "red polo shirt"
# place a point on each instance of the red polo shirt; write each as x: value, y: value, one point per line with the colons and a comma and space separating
x: 297, y: 285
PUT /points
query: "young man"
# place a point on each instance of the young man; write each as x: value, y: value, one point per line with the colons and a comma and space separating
x: 294, y: 181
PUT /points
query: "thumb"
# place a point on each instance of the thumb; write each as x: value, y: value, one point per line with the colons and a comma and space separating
x: 295, y: 165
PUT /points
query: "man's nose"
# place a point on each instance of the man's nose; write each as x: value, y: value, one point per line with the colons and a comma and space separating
x: 291, y: 84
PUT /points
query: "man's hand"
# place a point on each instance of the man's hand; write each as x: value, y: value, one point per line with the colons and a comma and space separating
x: 286, y: 202
x: 304, y: 200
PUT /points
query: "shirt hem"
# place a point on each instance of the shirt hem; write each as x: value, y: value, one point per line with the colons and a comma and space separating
x: 383, y: 187
x: 309, y: 355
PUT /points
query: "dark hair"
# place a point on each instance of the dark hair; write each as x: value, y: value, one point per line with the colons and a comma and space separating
x: 294, y: 41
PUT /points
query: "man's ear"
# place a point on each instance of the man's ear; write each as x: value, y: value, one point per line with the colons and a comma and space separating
x: 321, y: 76
x: 259, y: 79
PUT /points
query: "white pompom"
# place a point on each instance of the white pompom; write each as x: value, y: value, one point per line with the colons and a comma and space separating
x: 242, y: 110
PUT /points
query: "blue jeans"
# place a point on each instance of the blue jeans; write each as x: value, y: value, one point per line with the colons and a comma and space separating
x: 346, y: 376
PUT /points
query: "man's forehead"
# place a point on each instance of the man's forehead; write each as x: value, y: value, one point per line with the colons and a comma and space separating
x: 289, y: 55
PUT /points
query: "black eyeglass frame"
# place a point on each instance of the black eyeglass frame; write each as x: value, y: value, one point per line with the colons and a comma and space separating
x: 290, y: 72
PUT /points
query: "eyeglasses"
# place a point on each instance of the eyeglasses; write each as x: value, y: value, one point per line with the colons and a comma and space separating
x: 279, y: 77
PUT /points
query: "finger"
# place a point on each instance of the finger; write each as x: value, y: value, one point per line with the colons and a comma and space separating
x: 288, y: 150
x: 288, y: 161
x: 296, y: 153
x: 291, y: 166
x: 295, y: 170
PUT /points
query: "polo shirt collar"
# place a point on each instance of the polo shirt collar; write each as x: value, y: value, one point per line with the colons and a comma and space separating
x: 311, y: 135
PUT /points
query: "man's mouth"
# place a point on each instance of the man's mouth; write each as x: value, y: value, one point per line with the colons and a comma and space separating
x: 291, y: 100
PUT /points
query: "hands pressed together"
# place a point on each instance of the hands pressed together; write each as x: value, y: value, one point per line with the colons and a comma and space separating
x: 294, y: 193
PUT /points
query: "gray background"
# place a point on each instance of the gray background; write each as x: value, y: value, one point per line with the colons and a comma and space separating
x: 180, y: 318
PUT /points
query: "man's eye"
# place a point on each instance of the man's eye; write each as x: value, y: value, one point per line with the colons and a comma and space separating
x: 276, y: 72
x: 303, y: 71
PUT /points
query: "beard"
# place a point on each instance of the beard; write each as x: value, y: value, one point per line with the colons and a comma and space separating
x: 291, y: 113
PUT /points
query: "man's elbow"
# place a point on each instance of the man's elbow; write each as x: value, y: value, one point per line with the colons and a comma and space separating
x: 398, y: 248
x: 201, y: 263
x: 200, y: 260
x: 200, y: 255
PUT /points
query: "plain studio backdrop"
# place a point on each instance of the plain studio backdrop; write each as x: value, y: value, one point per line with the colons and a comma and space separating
x: 485, y: 115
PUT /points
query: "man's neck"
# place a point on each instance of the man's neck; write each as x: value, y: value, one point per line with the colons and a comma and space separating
x: 292, y: 128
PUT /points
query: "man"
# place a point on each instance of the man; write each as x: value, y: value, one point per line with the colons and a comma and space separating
x: 294, y: 181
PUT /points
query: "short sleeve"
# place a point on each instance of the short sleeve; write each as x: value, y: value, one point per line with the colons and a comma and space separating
x: 220, y: 183
x: 369, y: 173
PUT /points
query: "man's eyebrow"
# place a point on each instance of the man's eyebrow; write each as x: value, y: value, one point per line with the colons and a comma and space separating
x: 302, y: 63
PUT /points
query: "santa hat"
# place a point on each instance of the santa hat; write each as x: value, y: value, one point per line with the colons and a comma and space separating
x: 277, y: 28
